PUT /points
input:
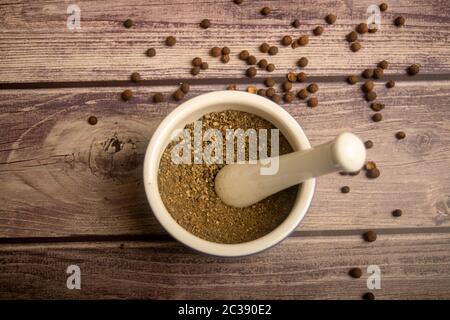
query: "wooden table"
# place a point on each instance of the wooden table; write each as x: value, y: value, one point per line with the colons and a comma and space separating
x: 71, y: 193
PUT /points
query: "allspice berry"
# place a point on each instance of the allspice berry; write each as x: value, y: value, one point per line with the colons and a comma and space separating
x: 313, y: 102
x: 92, y: 120
x: 345, y: 189
x: 413, y: 69
x: 261, y: 92
x: 205, y: 23
x: 296, y: 23
x: 270, y: 92
x: 367, y: 86
x: 171, y: 41
x: 292, y: 77
x: 226, y: 51
x: 303, y: 40
x: 286, y: 40
x: 252, y: 89
x: 238, y: 1
x: 397, y: 213
x: 400, y: 135
x: 383, y: 64
x: 287, y: 85
x: 313, y: 88
x: 276, y: 98
x: 128, y: 23
x: 301, y: 77
x: 127, y: 95
x: 377, y: 106
x: 269, y: 82
x: 399, y: 21
x: 135, y: 77
x: 352, y: 79
x: 151, y: 52
x: 196, y: 62
x: 352, y: 36
x: 244, y: 54
x: 251, y: 72
x: 178, y: 95
x: 367, y: 73
x: 370, y: 96
x: 185, y: 87
x: 195, y: 71
x: 362, y: 28
x: 270, y: 67
x: 378, y: 73
x: 273, y: 50
x: 373, y: 173
x: 355, y: 46
x: 204, y: 65
x: 355, y: 273
x: 288, y: 97
x: 377, y: 117
x: 215, y: 52
x: 370, y: 236
x: 318, y: 31
x: 262, y: 63
x: 302, y: 62
x: 390, y: 84
x: 158, y: 97
x: 368, y: 296
x: 302, y: 94
x: 251, y: 60
x: 383, y: 7
x: 225, y: 58
x: 265, y: 11
x: 264, y: 47
x: 330, y: 19
x: 368, y: 144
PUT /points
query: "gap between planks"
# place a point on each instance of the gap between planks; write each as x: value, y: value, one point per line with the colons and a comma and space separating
x: 207, y: 81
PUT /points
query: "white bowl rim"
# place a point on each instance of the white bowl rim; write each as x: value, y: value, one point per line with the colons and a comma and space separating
x: 159, y: 141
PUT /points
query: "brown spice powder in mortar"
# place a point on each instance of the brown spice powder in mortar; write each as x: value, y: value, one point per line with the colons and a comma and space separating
x: 187, y: 190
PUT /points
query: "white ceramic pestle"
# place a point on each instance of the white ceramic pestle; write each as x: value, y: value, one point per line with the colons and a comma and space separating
x: 241, y: 185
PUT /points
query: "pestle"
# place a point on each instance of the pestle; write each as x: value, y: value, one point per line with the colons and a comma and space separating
x: 241, y: 185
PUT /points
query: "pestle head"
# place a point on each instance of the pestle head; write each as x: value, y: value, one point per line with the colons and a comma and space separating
x: 349, y: 152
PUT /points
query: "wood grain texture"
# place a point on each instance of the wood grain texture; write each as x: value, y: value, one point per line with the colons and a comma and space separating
x: 36, y: 45
x: 412, y: 267
x: 65, y: 177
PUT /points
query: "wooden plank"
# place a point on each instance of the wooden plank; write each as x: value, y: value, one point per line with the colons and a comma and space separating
x: 36, y: 45
x: 59, y: 179
x: 411, y: 266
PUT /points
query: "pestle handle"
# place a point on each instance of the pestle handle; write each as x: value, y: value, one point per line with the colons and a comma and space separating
x: 241, y: 185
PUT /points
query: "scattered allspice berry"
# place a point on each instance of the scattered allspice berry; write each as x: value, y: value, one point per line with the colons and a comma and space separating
x: 367, y: 73
x: 330, y: 19
x: 185, y: 87
x: 158, y: 97
x: 368, y: 296
x: 195, y: 71
x: 251, y: 89
x: 294, y: 44
x: 196, y: 62
x: 301, y: 77
x: 370, y: 96
x: 264, y: 47
x: 226, y: 51
x: 368, y: 144
x: 378, y: 73
x: 313, y: 102
x: 302, y: 62
x: 313, y: 88
x: 355, y: 273
x: 362, y: 28
x: 262, y: 63
x: 383, y: 64
x: 383, y: 7
x: 367, y: 86
x: 231, y: 87
x: 296, y: 23
x: 373, y: 173
x: 151, y: 52
x: 205, y: 23
x: 273, y: 50
x: 135, y: 77
x: 288, y: 97
x: 261, y: 92
x: 238, y: 1
x: 373, y: 28
x: 413, y: 69
x: 399, y: 21
x: 287, y: 85
x: 251, y: 72
x: 400, y: 135
x: 377, y: 106
x: 269, y: 82
x: 92, y: 120
x: 225, y: 58
x: 354, y: 173
x: 303, y: 40
x: 204, y: 65
x: 127, y: 95
x: 270, y: 67
x: 352, y: 79
x: 244, y: 54
x: 377, y: 117
x: 292, y: 77
x: 276, y: 98
x: 270, y: 92
x: 390, y: 84
x: 352, y: 36
x: 171, y: 41
x: 128, y: 23
x: 370, y: 165
x: 345, y: 189
x: 251, y: 60
x: 397, y: 213
x: 215, y: 52
x: 265, y: 11
x: 318, y: 31
x: 370, y: 236
x: 302, y: 94
x: 178, y: 95
x: 355, y: 46
x: 286, y: 40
